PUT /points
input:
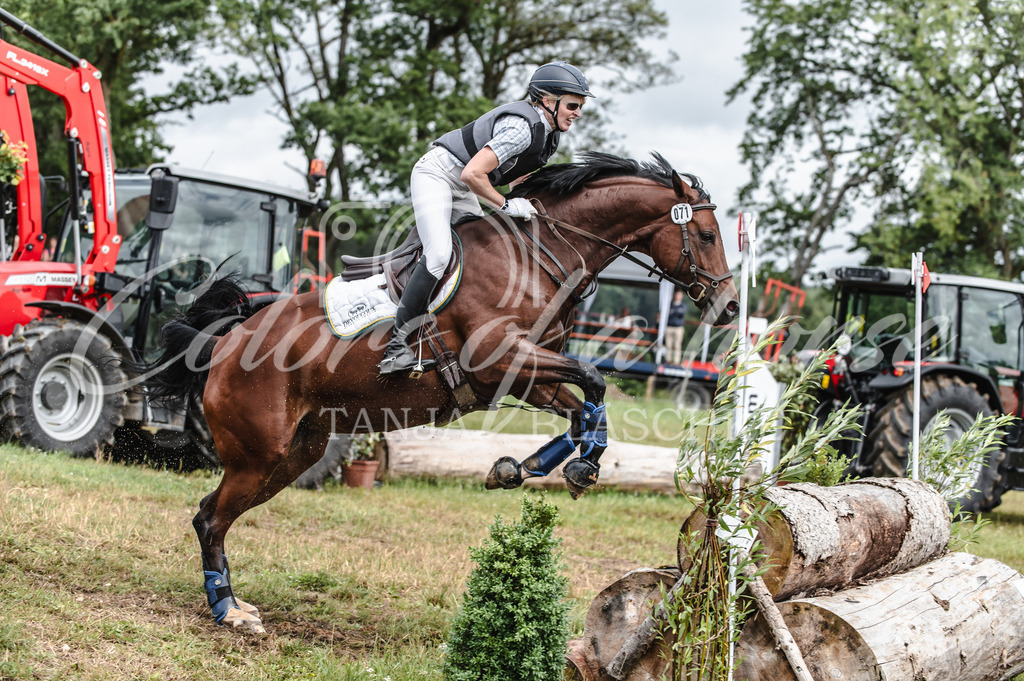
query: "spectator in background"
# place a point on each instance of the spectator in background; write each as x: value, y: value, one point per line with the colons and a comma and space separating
x: 674, y: 328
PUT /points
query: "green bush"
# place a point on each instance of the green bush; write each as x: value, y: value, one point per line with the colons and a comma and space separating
x: 513, y: 622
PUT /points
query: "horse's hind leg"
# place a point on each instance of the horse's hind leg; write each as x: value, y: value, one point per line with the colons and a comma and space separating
x: 217, y: 512
x: 242, y: 488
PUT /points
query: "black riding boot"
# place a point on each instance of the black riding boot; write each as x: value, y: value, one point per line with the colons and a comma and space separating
x: 411, y: 309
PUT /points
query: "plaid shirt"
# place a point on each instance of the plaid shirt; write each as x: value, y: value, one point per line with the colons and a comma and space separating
x: 512, y: 136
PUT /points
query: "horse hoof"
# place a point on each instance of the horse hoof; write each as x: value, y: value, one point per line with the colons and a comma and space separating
x: 247, y: 608
x: 236, y: 618
x: 579, y: 475
x: 504, y: 474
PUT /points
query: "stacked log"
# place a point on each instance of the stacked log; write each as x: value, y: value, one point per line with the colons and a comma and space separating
x: 613, y: 615
x: 830, y: 537
x: 903, y: 610
x: 953, y: 619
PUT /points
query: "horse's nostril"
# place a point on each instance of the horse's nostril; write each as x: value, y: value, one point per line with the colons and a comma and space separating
x: 732, y: 307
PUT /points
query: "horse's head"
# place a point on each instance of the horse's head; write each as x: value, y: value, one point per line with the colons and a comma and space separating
x: 685, y: 243
x: 651, y: 211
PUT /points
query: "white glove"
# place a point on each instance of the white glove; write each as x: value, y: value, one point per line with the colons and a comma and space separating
x: 519, y: 208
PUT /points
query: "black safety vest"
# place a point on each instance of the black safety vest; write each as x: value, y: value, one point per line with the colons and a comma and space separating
x: 465, y: 142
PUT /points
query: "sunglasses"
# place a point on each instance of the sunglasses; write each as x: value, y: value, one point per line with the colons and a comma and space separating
x: 573, y: 106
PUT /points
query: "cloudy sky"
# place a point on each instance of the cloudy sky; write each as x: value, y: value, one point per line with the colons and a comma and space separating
x: 688, y: 122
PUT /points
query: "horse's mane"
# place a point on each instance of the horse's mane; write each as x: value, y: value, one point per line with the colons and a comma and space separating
x: 567, y: 178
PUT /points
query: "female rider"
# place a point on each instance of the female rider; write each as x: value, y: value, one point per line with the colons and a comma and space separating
x: 464, y: 166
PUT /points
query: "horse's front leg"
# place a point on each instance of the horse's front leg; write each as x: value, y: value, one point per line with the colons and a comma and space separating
x: 582, y: 472
x: 588, y: 430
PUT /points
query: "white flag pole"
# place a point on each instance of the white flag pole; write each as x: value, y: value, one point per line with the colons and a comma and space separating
x: 739, y: 411
x: 747, y: 238
x: 918, y: 276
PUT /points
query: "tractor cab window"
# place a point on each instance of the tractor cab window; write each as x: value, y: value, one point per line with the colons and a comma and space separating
x: 990, y: 336
x: 214, y: 224
x: 132, y: 205
x: 881, y: 326
x: 286, y: 237
x: 938, y: 332
x: 877, y: 323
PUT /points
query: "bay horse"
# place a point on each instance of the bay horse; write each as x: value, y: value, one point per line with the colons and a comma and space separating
x: 278, y: 384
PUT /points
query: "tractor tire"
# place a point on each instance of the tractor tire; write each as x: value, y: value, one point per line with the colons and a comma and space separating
x: 692, y: 396
x: 890, y: 438
x: 61, y: 388
x: 329, y: 465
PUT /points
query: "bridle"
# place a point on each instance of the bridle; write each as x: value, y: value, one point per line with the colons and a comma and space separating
x: 681, y: 214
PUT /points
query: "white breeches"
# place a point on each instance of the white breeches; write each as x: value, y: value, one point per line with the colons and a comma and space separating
x: 438, y: 192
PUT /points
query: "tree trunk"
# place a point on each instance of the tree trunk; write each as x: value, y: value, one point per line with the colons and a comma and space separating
x: 830, y: 537
x: 614, y: 615
x: 956, y: 618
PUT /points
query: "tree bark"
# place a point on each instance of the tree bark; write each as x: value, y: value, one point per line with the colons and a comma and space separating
x: 953, y: 619
x: 614, y: 615
x: 830, y: 537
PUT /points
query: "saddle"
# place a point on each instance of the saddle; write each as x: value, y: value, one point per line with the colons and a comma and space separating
x: 397, y: 265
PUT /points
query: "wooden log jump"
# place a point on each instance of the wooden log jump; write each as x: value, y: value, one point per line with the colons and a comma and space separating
x: 835, y: 538
x: 953, y: 619
x: 830, y: 537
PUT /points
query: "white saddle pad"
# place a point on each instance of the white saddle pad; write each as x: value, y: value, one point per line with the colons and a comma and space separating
x: 354, y: 306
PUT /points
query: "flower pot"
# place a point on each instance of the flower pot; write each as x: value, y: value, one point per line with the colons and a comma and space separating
x: 359, y: 473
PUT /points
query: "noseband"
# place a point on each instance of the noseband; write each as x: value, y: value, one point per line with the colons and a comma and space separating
x: 682, y: 213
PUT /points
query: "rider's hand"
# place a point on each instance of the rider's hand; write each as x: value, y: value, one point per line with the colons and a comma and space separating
x: 519, y: 208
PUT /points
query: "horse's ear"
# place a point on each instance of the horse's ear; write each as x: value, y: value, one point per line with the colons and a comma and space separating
x: 678, y: 185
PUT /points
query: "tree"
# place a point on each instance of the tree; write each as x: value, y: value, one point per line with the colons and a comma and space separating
x: 907, y: 109
x: 822, y: 127
x: 513, y: 622
x: 130, y: 42
x: 962, y: 91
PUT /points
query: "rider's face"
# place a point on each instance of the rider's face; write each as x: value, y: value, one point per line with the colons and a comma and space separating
x: 569, y: 108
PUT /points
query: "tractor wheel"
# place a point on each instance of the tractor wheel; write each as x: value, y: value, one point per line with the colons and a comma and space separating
x: 891, y: 438
x: 692, y: 396
x: 329, y: 465
x: 61, y: 388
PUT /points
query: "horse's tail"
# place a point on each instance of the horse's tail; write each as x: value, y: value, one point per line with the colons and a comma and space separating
x: 187, y: 342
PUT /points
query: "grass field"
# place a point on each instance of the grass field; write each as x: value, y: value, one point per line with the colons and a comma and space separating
x: 100, y: 573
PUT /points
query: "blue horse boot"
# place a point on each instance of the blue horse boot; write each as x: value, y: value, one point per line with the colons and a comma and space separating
x: 507, y: 473
x: 583, y: 472
x: 228, y: 610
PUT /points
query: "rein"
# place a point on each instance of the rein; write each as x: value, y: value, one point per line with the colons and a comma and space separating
x: 681, y: 214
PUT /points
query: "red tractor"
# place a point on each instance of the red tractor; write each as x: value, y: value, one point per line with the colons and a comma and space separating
x: 128, y: 249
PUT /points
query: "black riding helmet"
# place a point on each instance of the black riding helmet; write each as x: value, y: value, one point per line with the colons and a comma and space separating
x: 559, y: 78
